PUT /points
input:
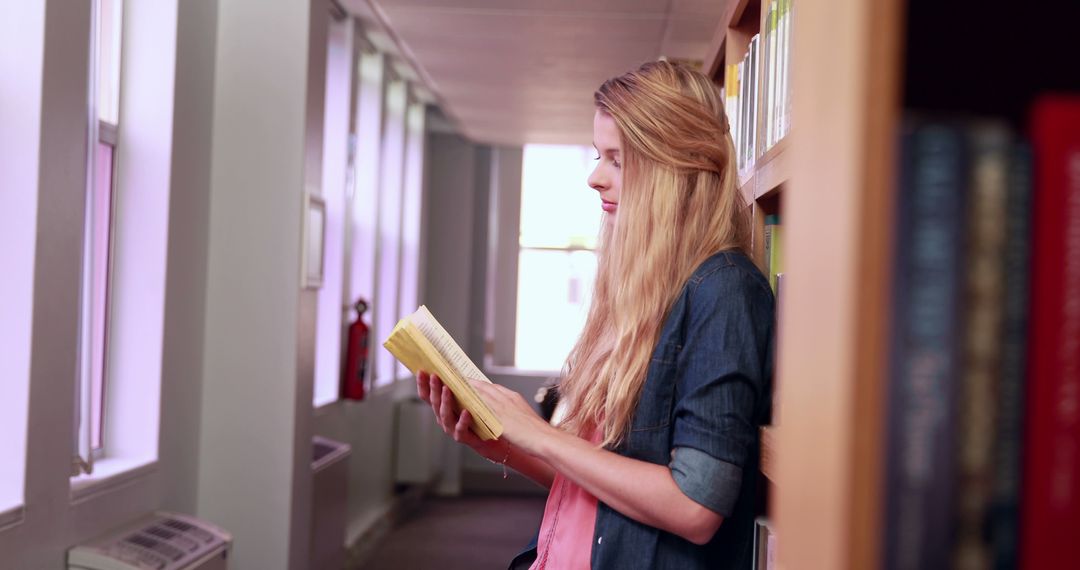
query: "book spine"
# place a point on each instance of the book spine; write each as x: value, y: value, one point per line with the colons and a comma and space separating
x: 755, y: 85
x: 1004, y: 528
x: 927, y: 284
x: 776, y: 252
x: 770, y: 72
x: 770, y: 223
x: 1051, y: 496
x: 744, y: 108
x: 731, y: 84
x: 989, y: 149
x: 786, y: 111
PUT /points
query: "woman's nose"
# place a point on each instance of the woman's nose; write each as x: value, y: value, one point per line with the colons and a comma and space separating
x: 596, y: 181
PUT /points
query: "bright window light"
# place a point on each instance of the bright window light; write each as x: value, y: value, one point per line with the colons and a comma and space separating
x: 335, y: 166
x: 390, y: 202
x: 560, y: 222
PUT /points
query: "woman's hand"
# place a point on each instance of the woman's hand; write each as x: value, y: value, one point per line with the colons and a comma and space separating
x: 454, y: 422
x: 522, y: 427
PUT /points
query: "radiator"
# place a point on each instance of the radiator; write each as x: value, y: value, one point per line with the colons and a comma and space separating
x: 420, y: 443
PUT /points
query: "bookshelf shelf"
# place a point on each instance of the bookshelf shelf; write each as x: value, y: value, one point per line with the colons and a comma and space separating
x: 829, y: 184
x: 768, y: 443
x: 770, y: 171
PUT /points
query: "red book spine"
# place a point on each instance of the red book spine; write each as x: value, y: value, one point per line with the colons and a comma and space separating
x: 1051, y: 496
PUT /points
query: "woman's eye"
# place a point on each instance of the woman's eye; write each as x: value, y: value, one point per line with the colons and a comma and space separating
x: 615, y: 163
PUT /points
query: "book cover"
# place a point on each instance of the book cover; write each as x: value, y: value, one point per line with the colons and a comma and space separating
x: 989, y: 149
x: 731, y: 106
x: 770, y: 72
x: 776, y: 250
x: 1051, y: 492
x: 764, y: 553
x: 755, y: 89
x: 1004, y: 525
x: 920, y: 456
x: 420, y: 343
x: 789, y: 17
x: 744, y: 108
x: 771, y: 220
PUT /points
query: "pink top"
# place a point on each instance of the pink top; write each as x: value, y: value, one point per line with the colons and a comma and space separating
x: 566, y: 533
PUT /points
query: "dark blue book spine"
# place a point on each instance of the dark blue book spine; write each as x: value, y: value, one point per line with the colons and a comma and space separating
x: 1004, y: 526
x: 924, y: 366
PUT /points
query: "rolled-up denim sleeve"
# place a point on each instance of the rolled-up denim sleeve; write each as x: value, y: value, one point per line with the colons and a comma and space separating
x: 725, y: 366
x: 709, y: 482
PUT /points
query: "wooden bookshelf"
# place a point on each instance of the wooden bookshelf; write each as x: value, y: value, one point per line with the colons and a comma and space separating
x: 768, y: 452
x: 831, y: 180
x: 769, y: 174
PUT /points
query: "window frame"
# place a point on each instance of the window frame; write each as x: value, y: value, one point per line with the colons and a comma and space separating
x: 88, y: 450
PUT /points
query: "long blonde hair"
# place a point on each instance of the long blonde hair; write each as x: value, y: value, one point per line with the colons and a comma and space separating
x: 679, y: 205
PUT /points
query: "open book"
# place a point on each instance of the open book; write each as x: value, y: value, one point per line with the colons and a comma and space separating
x: 421, y: 343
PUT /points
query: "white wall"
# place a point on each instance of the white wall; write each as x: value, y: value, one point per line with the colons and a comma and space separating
x: 185, y: 291
x: 255, y: 440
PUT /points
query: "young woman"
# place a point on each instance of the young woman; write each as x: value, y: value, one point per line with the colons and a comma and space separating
x: 656, y: 462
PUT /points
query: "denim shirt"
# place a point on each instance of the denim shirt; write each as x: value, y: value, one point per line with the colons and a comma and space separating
x: 708, y: 387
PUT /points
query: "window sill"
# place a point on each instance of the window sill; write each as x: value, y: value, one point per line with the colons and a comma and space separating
x: 11, y: 517
x: 109, y: 475
x: 326, y: 407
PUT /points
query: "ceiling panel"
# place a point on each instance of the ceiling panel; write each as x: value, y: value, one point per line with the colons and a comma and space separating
x: 521, y: 71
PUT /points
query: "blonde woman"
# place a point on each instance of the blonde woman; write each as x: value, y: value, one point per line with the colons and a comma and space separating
x: 656, y: 462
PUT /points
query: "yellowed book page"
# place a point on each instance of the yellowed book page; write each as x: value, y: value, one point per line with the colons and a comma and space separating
x: 413, y: 346
x: 445, y: 344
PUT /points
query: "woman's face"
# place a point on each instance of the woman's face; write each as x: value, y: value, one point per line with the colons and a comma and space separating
x: 606, y: 178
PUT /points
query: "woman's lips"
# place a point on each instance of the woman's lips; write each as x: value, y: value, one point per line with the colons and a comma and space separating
x: 608, y: 207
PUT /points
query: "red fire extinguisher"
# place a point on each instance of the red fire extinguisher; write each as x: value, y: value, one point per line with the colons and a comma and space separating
x: 352, y: 381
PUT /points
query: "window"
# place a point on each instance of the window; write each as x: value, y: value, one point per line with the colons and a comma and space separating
x: 560, y: 222
x: 411, y: 215
x: 364, y: 202
x: 22, y: 47
x: 388, y: 268
x: 329, y: 338
x: 97, y: 249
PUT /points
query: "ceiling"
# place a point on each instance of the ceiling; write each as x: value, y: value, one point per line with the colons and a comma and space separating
x: 524, y: 71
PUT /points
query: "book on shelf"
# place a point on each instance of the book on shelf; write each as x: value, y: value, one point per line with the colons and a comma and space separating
x: 420, y: 343
x: 989, y: 146
x: 927, y: 285
x: 1051, y: 477
x: 787, y: 16
x: 984, y: 380
x: 764, y: 550
x: 776, y: 105
x: 770, y: 76
x: 774, y: 249
x: 757, y: 93
x: 1004, y: 526
x: 753, y: 106
x: 731, y: 102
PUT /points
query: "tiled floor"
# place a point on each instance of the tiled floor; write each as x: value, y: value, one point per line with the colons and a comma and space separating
x: 471, y: 532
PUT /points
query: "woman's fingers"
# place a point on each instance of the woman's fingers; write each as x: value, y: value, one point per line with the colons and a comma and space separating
x: 446, y: 410
x: 435, y: 392
x: 423, y: 385
x: 462, y: 428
